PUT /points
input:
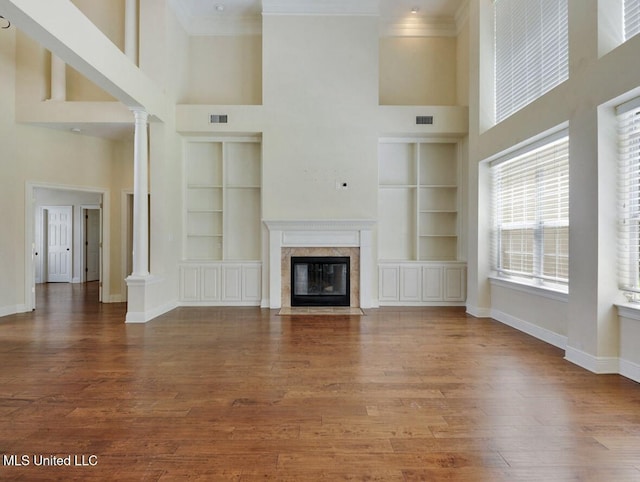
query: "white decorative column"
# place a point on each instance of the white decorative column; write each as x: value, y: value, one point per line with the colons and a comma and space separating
x: 131, y: 30
x: 140, y: 196
x: 139, y: 284
x: 58, y: 78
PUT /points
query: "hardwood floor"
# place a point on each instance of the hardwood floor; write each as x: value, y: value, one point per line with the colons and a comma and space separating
x: 244, y: 394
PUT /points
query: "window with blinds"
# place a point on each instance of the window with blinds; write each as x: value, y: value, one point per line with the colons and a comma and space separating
x: 531, y: 213
x: 531, y: 51
x: 631, y: 18
x: 629, y: 198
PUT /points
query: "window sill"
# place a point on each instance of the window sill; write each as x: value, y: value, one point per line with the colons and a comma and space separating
x: 629, y: 310
x: 545, y: 292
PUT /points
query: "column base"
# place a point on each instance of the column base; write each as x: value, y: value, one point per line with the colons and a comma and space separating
x: 140, y: 295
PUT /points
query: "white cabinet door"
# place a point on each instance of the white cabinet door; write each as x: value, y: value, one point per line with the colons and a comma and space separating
x: 211, y: 283
x: 251, y: 283
x: 410, y: 281
x: 432, y: 283
x: 232, y: 282
x: 189, y: 283
x: 389, y: 289
x: 454, y: 284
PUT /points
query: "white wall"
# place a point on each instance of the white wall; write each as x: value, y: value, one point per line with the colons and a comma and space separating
x: 320, y: 93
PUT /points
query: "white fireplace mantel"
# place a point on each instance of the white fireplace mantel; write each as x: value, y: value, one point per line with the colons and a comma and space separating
x: 320, y: 233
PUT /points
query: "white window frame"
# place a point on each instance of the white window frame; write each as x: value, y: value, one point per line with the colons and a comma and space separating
x: 557, y: 143
x: 531, y: 51
x: 628, y: 120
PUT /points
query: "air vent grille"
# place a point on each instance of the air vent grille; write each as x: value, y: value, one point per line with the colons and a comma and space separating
x: 218, y: 119
x: 424, y: 119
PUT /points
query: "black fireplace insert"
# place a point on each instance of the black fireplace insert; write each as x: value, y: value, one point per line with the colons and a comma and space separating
x: 320, y: 281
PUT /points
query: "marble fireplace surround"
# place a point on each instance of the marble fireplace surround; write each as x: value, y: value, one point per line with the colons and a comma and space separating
x: 320, y: 238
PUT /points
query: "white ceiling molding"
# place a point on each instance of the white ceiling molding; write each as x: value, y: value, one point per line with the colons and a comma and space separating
x: 201, y: 26
x: 198, y: 21
x: 214, y: 25
x: 418, y: 27
x: 320, y: 7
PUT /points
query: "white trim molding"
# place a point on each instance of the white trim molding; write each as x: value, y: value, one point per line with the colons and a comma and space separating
x: 595, y: 364
x: 630, y: 370
x: 548, y: 336
x: 12, y: 310
x: 478, y: 311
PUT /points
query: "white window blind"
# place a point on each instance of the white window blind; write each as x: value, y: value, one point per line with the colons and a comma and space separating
x: 531, y: 51
x: 531, y: 213
x: 629, y: 197
x: 631, y: 18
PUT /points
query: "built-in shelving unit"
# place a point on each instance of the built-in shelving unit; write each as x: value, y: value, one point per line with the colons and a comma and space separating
x: 418, y: 201
x: 222, y: 199
x: 419, y: 221
x: 222, y: 228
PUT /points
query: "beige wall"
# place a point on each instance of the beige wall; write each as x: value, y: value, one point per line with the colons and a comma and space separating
x: 418, y: 71
x: 224, y: 70
x: 320, y: 96
x: 46, y: 157
x: 11, y: 253
x: 108, y: 16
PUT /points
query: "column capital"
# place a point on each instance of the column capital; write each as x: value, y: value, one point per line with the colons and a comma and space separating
x: 140, y: 114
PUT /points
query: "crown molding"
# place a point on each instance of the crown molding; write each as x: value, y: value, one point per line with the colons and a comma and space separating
x: 418, y: 27
x: 320, y: 7
x: 219, y: 26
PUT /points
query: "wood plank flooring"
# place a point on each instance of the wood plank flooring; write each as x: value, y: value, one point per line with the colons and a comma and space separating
x: 243, y: 394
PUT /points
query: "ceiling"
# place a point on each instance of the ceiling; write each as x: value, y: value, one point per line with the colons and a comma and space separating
x: 388, y: 8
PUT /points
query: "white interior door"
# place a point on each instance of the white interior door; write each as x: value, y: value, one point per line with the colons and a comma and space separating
x: 59, y: 244
x: 92, y: 244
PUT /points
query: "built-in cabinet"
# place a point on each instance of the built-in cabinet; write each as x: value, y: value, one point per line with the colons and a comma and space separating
x: 222, y: 221
x: 419, y: 227
x: 221, y: 283
x: 422, y: 283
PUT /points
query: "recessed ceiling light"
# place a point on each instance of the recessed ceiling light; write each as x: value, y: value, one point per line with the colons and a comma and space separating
x: 219, y: 7
x: 415, y: 10
x: 76, y: 129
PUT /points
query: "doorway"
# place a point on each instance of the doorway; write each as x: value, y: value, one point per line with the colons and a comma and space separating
x: 91, y: 244
x: 66, y: 238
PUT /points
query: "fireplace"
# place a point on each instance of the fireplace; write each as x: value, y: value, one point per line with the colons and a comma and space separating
x: 320, y: 281
x: 336, y: 238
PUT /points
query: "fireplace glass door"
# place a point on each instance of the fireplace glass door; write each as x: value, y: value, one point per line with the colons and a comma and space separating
x: 320, y: 281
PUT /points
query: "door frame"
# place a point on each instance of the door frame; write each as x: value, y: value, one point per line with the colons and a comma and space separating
x: 30, y: 242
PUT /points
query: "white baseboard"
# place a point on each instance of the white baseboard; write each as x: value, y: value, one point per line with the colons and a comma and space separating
x: 536, y: 331
x: 630, y: 370
x: 145, y: 316
x: 478, y: 312
x: 115, y: 298
x: 12, y: 310
x: 221, y: 303
x: 595, y: 364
